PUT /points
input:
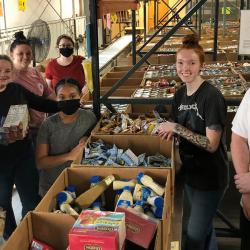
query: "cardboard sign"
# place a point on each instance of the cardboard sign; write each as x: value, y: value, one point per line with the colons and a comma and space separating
x: 22, y: 5
x: 244, y: 42
x: 1, y: 7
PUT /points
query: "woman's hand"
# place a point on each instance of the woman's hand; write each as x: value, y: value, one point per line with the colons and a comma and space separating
x: 242, y: 182
x: 166, y: 130
x: 16, y: 134
x: 74, y: 153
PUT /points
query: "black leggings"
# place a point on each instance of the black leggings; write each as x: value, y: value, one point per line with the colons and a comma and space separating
x: 245, y: 231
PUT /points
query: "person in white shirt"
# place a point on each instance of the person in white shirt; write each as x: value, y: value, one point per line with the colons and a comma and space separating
x: 240, y: 154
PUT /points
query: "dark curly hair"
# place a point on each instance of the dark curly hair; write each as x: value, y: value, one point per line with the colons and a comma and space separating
x: 20, y: 39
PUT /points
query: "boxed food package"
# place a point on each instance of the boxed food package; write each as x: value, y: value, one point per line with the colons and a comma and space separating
x: 48, y: 228
x: 18, y: 116
x: 140, y: 228
x: 80, y: 176
x: 98, y: 230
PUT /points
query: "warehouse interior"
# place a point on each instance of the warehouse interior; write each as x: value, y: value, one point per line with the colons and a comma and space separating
x: 131, y: 46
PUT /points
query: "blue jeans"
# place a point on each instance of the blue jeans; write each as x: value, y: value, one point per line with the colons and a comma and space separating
x: 203, y: 206
x: 23, y: 173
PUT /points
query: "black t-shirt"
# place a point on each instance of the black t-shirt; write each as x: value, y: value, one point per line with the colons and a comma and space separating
x: 205, y: 108
x: 15, y: 94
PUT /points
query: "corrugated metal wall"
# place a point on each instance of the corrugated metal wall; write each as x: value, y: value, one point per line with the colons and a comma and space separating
x: 64, y: 26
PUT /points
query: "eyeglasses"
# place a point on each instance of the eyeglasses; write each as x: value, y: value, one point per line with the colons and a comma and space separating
x: 70, y: 46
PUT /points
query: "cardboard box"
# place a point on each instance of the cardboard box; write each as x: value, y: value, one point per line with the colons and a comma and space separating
x: 97, y: 129
x: 49, y: 228
x: 137, y: 143
x: 127, y: 92
x: 126, y: 68
x: 120, y: 74
x: 98, y: 230
x: 80, y: 178
x: 109, y: 82
x: 140, y: 228
x: 146, y: 108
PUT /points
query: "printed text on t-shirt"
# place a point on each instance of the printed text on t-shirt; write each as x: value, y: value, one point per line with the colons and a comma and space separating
x: 190, y: 107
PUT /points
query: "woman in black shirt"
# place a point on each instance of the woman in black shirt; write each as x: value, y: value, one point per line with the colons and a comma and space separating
x: 17, y: 162
x: 199, y: 115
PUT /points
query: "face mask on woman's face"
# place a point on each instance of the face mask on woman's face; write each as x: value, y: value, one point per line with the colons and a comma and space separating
x: 67, y: 52
x: 69, y: 107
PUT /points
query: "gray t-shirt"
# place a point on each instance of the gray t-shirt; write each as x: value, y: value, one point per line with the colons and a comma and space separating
x: 62, y: 138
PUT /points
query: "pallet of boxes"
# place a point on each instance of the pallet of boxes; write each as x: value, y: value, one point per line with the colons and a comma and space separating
x: 117, y: 195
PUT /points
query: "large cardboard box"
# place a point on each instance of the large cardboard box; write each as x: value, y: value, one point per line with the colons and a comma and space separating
x: 127, y: 92
x: 109, y: 82
x: 147, y: 108
x: 80, y: 178
x: 126, y: 68
x: 137, y: 143
x: 97, y: 129
x: 120, y: 74
x: 49, y: 228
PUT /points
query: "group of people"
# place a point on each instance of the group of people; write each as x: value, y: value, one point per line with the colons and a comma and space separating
x: 34, y: 161
x: 198, y: 122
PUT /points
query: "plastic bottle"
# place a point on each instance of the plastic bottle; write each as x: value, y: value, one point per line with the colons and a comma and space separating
x: 138, y: 206
x: 96, y: 205
x: 157, y: 211
x: 118, y: 193
x: 72, y: 190
x: 126, y: 198
x: 156, y: 201
x: 89, y: 196
x: 148, y: 211
x: 121, y: 184
x: 93, y: 181
x: 142, y: 193
x: 64, y: 199
x: 149, y: 182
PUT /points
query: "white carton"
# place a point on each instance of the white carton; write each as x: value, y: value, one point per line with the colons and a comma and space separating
x: 18, y: 116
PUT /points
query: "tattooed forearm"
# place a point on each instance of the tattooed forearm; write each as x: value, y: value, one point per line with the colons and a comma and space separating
x: 197, y: 139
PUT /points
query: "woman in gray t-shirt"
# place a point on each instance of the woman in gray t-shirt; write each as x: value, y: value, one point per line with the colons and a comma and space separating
x: 62, y: 136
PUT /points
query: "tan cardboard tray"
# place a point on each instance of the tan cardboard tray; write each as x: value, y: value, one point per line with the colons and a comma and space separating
x: 137, y: 143
x: 168, y: 78
x: 121, y: 92
x: 109, y: 82
x: 120, y: 74
x: 49, y: 228
x: 145, y: 108
x: 97, y: 129
x: 80, y: 178
x: 126, y: 68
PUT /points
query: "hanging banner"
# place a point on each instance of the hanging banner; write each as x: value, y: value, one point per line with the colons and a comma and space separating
x: 244, y: 42
x: 114, y: 18
x: 1, y: 7
x: 226, y: 11
x: 22, y: 5
x: 108, y: 21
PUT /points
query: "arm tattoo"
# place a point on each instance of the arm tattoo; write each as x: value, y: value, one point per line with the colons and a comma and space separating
x: 197, y: 139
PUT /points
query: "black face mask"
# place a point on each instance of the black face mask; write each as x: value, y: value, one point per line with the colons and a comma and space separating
x: 67, y: 52
x: 69, y: 107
